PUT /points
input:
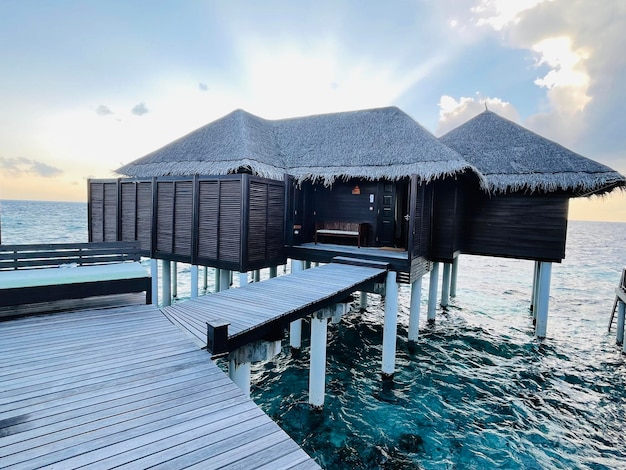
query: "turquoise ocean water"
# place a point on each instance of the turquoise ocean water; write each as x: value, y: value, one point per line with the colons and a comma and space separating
x: 477, y: 391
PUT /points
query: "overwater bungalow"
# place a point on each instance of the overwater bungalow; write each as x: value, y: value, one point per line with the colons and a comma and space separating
x: 243, y: 193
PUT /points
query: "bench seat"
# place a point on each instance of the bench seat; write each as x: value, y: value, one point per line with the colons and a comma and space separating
x: 355, y: 230
x: 38, y: 273
x: 345, y: 233
x: 70, y: 275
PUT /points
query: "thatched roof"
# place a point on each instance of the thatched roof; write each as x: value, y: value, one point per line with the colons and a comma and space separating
x: 512, y: 159
x: 372, y: 144
x: 237, y: 140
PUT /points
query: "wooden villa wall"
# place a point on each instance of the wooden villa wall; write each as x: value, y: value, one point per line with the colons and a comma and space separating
x: 448, y: 224
x: 516, y: 226
x: 231, y: 222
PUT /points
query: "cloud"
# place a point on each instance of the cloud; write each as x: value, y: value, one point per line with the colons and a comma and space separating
x: 499, y: 14
x: 140, y: 109
x: 25, y: 166
x: 453, y: 113
x: 578, y: 46
x: 103, y: 110
x: 203, y: 86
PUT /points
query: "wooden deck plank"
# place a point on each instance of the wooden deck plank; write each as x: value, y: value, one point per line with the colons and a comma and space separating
x: 52, y: 418
x: 190, y: 437
x: 106, y: 387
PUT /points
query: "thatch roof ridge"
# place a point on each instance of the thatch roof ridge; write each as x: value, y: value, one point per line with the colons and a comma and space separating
x: 373, y: 143
x: 513, y: 158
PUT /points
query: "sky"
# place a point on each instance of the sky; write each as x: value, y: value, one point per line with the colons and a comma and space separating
x: 87, y: 86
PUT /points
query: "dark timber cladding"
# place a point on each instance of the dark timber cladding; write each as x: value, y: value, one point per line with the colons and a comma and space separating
x: 448, y: 220
x: 517, y: 226
x: 123, y: 387
x: 232, y: 221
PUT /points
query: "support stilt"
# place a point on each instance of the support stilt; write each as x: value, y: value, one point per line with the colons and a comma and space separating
x: 454, y: 275
x: 154, y: 273
x: 445, y: 284
x: 239, y: 361
x: 224, y: 279
x: 174, y: 279
x: 317, y: 369
x: 621, y: 317
x: 390, y: 325
x: 414, y: 314
x: 166, y: 282
x: 205, y: 280
x: 273, y: 271
x: 295, y: 334
x: 295, y: 327
x: 240, y: 374
x: 543, y: 299
x: 432, y: 292
x: 218, y: 277
x: 194, y: 281
x: 533, y: 296
x: 257, y: 275
x: 363, y: 301
x: 243, y: 279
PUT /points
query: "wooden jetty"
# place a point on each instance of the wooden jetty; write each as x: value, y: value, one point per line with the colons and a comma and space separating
x: 265, y: 309
x: 248, y: 323
x: 124, y: 387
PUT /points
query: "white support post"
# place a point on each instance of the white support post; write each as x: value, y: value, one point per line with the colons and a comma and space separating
x: 166, y: 282
x: 240, y: 374
x: 390, y: 325
x: 154, y: 274
x: 295, y: 327
x: 174, y: 279
x: 543, y: 299
x: 218, y: 277
x: 363, y: 301
x: 414, y: 314
x: 205, y: 279
x: 273, y: 271
x: 432, y: 292
x: 621, y: 317
x: 295, y: 334
x: 317, y: 368
x: 445, y: 284
x: 243, y: 279
x: 194, y: 281
x: 533, y: 296
x: 454, y: 275
x: 240, y: 359
x: 224, y: 279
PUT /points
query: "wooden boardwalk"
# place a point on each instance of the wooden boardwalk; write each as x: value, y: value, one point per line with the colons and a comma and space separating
x: 262, y: 309
x: 124, y: 387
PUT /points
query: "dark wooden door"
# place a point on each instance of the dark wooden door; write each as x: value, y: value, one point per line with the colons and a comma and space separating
x: 385, y: 235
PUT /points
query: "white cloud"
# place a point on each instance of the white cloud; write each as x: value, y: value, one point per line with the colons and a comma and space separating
x: 453, y: 113
x: 579, y: 48
x: 568, y: 80
x: 499, y: 14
